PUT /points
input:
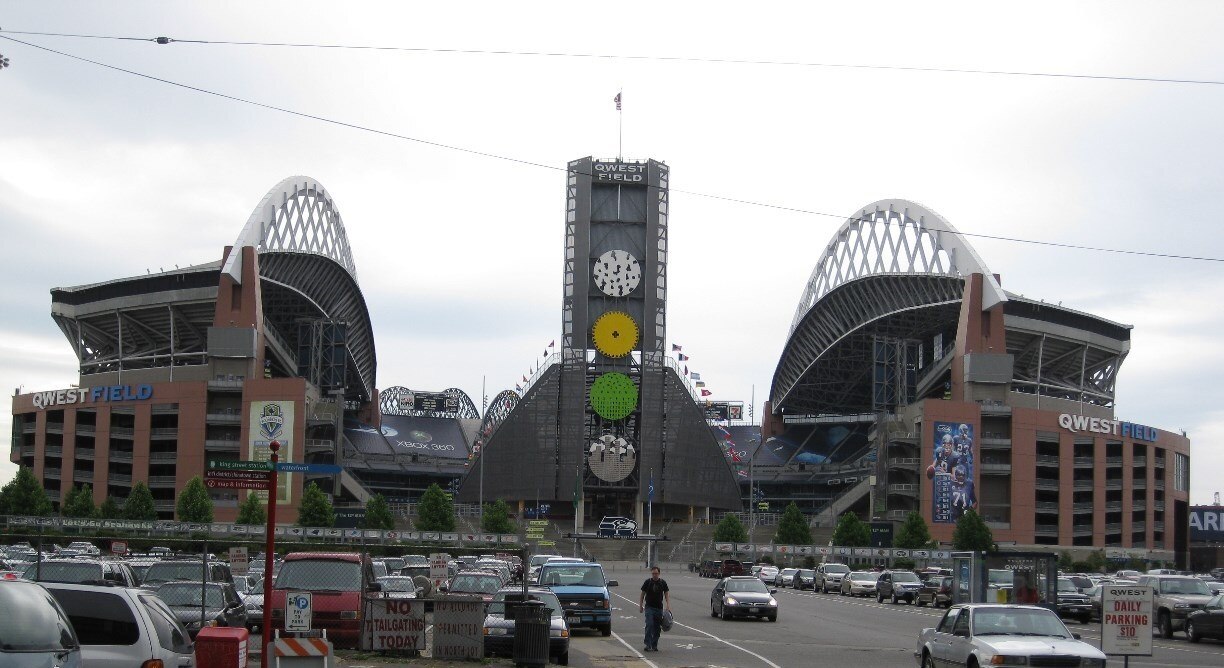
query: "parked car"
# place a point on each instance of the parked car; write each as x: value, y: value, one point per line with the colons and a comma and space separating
x: 121, y: 627
x: 766, y: 574
x: 477, y: 582
x: 784, y: 577
x: 1073, y: 604
x: 398, y: 586
x: 582, y: 589
x: 500, y: 620
x: 1207, y: 621
x: 336, y: 579
x: 36, y: 631
x: 729, y: 567
x: 1173, y: 598
x: 978, y: 634
x: 829, y: 576
x: 82, y: 571
x: 898, y: 586
x: 179, y: 570
x: 202, y: 604
x: 937, y: 591
x: 858, y: 583
x: 709, y: 568
x: 743, y: 596
x: 805, y: 578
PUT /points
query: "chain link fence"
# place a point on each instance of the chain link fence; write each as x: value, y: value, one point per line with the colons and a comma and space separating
x: 360, y: 590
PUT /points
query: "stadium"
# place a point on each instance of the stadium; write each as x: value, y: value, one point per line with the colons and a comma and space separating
x: 212, y: 362
x: 910, y: 380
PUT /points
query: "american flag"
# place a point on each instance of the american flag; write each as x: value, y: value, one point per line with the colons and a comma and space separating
x: 618, y: 101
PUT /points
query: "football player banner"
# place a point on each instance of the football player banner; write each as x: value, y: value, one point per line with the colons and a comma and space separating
x: 951, y: 472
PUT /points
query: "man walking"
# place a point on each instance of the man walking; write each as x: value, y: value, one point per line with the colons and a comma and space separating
x: 652, y: 601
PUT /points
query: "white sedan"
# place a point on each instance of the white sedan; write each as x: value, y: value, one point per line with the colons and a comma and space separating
x: 978, y: 634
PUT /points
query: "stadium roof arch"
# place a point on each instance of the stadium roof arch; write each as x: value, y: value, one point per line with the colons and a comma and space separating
x: 306, y: 271
x: 895, y: 272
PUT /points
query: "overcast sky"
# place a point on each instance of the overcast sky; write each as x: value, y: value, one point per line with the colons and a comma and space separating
x: 104, y: 174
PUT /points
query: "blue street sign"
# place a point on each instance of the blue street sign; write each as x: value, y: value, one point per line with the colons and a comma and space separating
x: 293, y: 467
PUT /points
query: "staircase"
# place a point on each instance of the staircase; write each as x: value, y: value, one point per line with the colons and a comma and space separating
x: 841, y: 503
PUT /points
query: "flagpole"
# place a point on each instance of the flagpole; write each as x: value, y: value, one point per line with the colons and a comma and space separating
x: 620, y: 127
x: 650, y: 506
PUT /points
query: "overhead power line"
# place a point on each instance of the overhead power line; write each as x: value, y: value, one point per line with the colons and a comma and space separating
x: 639, y: 57
x: 531, y: 163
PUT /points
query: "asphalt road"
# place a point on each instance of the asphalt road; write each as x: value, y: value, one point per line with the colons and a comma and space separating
x: 812, y: 630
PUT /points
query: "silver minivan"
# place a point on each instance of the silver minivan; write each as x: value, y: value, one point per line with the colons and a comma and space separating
x: 120, y: 627
x: 34, y: 630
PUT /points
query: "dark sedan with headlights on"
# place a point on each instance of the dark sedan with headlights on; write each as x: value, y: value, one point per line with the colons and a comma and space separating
x: 743, y: 596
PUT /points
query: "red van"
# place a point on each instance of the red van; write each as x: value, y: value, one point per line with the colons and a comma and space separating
x: 335, y: 580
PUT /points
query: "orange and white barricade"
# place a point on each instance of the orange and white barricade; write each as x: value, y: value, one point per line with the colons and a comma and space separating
x: 302, y: 652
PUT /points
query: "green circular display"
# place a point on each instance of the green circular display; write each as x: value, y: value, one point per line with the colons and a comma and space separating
x: 613, y: 396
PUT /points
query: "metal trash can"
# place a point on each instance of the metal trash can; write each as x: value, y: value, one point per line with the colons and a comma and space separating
x: 531, y: 625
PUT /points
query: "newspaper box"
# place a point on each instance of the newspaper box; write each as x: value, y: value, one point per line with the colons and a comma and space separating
x: 222, y: 647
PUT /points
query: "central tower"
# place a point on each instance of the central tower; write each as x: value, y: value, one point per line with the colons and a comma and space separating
x: 613, y: 332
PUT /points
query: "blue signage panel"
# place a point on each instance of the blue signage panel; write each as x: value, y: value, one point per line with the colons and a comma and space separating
x: 293, y: 467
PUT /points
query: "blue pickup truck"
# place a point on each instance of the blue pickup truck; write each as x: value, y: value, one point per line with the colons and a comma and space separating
x: 583, y: 591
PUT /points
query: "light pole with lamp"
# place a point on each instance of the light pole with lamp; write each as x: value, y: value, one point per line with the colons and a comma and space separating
x: 752, y: 488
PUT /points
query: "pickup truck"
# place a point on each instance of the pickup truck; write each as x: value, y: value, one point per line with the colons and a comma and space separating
x: 583, y: 591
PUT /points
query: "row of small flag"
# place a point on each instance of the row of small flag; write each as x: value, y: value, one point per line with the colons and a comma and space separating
x: 518, y: 387
x: 694, y: 376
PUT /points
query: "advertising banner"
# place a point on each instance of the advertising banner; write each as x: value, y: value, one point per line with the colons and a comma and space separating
x: 1207, y: 524
x: 951, y: 472
x: 272, y: 421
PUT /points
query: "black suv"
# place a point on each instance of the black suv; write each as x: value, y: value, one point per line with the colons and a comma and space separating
x: 1071, y: 603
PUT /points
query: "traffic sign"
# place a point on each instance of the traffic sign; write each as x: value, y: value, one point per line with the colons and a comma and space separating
x: 294, y: 467
x: 239, y: 560
x: 119, y: 547
x: 547, y: 543
x: 227, y: 465
x: 297, y: 611
x: 537, y: 523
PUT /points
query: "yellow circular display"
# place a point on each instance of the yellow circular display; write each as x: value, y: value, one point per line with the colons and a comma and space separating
x: 615, y: 334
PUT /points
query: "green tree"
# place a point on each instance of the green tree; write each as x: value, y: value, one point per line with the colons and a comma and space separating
x: 913, y: 534
x: 851, y: 531
x: 139, y: 504
x: 497, y: 517
x: 194, y: 504
x: 793, y: 529
x: 730, y: 530
x: 1065, y: 561
x: 24, y: 495
x: 252, y: 511
x: 79, y: 503
x: 315, y: 510
x: 435, y: 512
x: 110, y: 510
x: 378, y: 514
x: 1097, y: 561
x: 972, y: 533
